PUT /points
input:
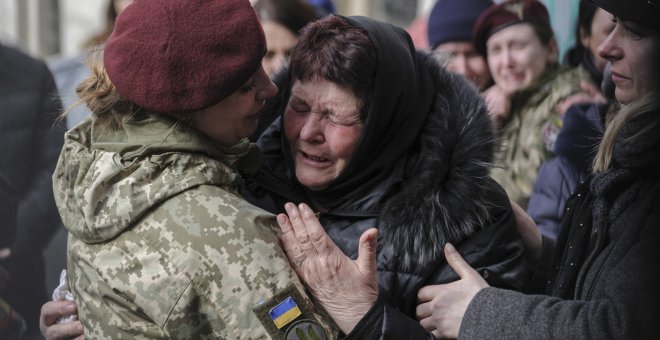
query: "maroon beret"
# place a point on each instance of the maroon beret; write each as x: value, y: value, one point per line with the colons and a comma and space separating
x: 183, y: 55
x: 505, y: 14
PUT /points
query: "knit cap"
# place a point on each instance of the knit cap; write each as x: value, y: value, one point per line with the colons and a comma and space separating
x: 453, y: 20
x: 643, y: 12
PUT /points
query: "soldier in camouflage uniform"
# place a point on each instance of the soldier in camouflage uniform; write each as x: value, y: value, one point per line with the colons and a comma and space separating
x: 527, y: 138
x: 516, y: 38
x: 161, y: 244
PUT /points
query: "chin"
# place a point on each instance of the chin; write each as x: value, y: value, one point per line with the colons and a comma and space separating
x: 623, y: 97
x: 311, y: 185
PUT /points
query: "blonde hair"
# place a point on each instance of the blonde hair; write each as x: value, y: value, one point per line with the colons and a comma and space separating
x: 647, y: 105
x: 97, y: 91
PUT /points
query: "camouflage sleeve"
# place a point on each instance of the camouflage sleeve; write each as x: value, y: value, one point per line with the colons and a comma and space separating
x: 204, y: 264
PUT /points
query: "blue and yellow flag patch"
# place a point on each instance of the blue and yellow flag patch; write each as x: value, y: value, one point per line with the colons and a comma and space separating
x: 285, y: 312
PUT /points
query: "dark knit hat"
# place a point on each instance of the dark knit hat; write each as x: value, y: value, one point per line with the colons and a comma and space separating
x: 642, y: 12
x: 505, y: 14
x: 453, y: 20
x: 181, y: 56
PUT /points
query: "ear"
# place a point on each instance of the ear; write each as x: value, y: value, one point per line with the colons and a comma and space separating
x: 584, y: 38
x: 553, y: 51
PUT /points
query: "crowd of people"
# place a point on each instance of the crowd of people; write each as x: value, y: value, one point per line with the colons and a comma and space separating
x: 270, y: 169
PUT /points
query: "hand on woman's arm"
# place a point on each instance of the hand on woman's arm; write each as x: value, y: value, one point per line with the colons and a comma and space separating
x: 51, y: 330
x: 345, y: 288
x: 442, y: 307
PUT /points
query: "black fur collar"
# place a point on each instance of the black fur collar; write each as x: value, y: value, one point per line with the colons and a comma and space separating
x: 442, y: 198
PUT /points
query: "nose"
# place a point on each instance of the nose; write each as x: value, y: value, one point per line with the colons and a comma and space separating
x: 267, y: 89
x: 609, y: 48
x: 507, y: 58
x: 312, y: 128
x: 459, y: 65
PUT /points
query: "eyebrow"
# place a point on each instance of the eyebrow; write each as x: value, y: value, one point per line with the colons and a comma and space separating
x: 297, y: 100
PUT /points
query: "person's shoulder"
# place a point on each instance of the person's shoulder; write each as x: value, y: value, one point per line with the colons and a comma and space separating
x: 22, y: 73
x: 217, y: 210
x: 568, y: 79
x: 19, y: 61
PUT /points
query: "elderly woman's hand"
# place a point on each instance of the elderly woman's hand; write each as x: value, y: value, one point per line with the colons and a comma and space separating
x: 345, y: 288
x: 442, y: 307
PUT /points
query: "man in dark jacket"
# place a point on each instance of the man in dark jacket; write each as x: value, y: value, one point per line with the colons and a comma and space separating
x: 30, y: 141
x: 12, y: 324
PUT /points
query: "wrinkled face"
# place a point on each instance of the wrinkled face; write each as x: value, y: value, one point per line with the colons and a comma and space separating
x: 237, y: 116
x: 631, y: 49
x: 517, y: 57
x: 464, y: 60
x: 323, y: 126
x: 280, y: 42
x: 601, y: 26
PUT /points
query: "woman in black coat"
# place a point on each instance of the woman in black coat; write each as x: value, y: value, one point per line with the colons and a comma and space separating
x: 603, y: 278
x: 422, y: 144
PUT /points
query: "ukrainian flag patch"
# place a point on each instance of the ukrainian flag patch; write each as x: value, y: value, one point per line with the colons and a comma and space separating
x: 285, y: 312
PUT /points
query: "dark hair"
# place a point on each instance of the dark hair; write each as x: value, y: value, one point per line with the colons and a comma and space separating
x: 586, y: 15
x: 544, y: 32
x: 292, y: 14
x: 335, y: 50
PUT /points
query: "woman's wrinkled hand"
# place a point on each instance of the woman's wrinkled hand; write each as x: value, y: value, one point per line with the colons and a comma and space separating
x: 442, y: 307
x: 52, y: 311
x: 345, y: 288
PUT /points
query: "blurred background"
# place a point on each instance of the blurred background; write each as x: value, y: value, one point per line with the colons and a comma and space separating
x: 48, y: 27
x: 45, y: 28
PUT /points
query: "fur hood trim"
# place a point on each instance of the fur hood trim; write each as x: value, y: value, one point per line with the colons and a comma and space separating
x: 442, y: 198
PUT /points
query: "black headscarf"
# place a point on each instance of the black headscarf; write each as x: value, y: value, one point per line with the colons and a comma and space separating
x: 401, y: 100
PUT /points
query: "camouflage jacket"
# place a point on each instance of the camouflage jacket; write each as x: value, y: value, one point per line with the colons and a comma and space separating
x: 527, y: 138
x: 161, y: 245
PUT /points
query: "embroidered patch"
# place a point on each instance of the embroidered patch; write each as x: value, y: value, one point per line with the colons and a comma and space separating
x: 285, y: 312
x: 285, y: 309
x: 305, y: 330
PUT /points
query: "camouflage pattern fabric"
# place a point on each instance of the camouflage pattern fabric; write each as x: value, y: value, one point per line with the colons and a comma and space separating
x: 527, y: 138
x: 161, y: 246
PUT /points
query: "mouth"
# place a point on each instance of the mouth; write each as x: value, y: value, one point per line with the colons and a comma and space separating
x: 515, y: 78
x: 316, y: 161
x: 617, y: 77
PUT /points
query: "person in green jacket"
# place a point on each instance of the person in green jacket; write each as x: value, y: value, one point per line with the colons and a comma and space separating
x: 530, y: 93
x: 161, y: 243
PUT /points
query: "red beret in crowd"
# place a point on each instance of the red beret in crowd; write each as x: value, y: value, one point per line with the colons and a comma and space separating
x: 505, y: 14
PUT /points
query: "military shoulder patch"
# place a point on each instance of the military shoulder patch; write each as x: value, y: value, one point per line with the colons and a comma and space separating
x: 285, y: 312
x: 287, y: 315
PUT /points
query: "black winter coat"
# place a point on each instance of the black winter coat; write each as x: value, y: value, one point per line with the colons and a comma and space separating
x: 448, y: 198
x: 605, y: 274
x: 30, y: 143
